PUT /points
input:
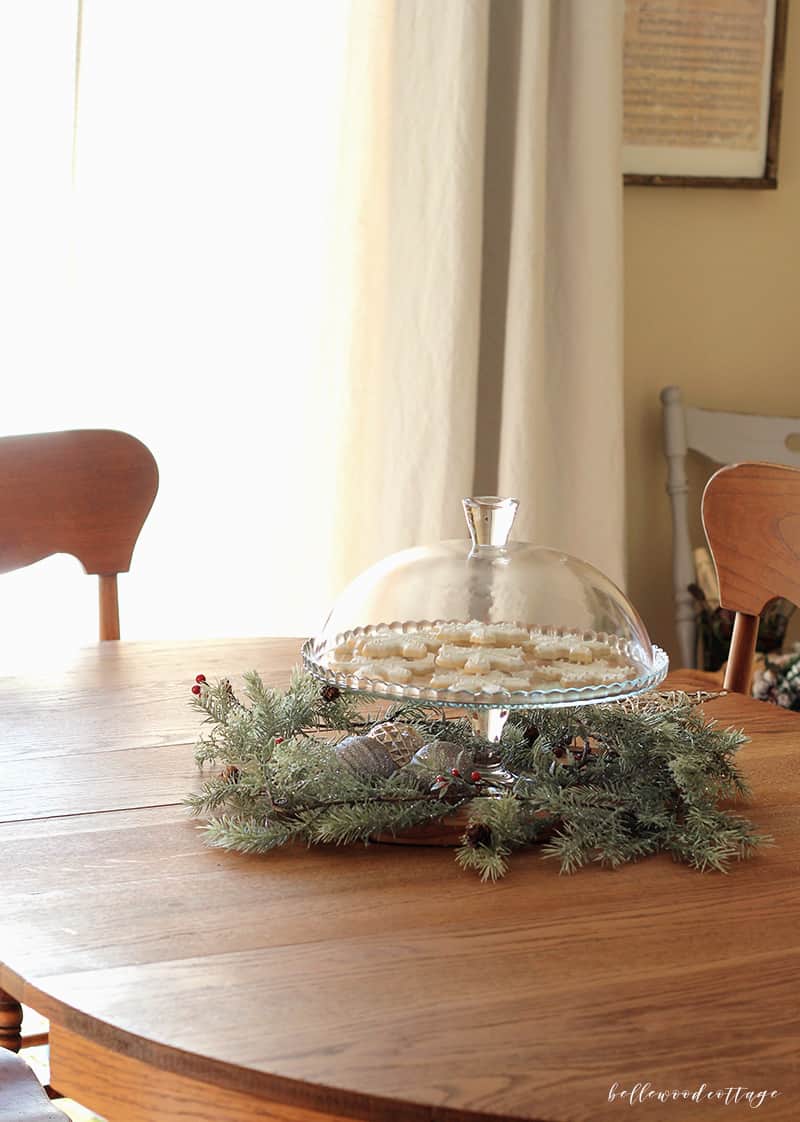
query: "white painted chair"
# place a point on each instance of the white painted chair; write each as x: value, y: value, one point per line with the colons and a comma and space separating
x: 22, y: 1097
x: 726, y: 438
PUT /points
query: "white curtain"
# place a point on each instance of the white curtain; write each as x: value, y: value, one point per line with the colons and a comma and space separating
x: 338, y: 263
x: 480, y: 316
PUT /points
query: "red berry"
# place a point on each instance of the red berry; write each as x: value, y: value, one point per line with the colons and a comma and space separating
x: 440, y: 779
x: 200, y: 678
x: 279, y: 740
x: 475, y: 776
x: 195, y: 690
x: 454, y: 771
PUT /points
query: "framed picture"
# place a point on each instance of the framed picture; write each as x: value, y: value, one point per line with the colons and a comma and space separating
x: 703, y: 84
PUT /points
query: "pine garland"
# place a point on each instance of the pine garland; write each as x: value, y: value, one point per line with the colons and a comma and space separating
x: 606, y: 783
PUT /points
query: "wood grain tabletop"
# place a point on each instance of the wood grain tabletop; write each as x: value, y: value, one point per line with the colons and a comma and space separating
x: 371, y: 982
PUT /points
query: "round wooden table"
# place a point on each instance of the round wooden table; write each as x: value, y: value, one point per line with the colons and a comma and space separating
x: 369, y: 982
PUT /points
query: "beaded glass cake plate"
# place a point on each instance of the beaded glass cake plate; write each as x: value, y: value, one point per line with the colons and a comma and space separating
x: 642, y: 678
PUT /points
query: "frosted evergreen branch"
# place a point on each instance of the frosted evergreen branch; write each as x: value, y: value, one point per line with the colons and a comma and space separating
x: 606, y: 784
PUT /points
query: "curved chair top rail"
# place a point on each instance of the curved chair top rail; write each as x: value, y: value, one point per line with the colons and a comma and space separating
x: 85, y: 492
x: 729, y: 438
x: 751, y: 516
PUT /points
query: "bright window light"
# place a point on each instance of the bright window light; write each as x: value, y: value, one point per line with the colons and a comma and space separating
x: 176, y: 291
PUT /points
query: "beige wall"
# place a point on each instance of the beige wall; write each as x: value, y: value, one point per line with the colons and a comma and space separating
x: 712, y: 303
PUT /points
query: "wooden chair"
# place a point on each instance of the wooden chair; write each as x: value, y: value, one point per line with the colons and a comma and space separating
x: 725, y: 438
x: 22, y: 1097
x: 86, y: 493
x: 751, y: 516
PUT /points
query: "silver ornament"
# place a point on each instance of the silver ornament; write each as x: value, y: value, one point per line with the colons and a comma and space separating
x: 400, y: 741
x: 443, y: 755
x: 365, y: 757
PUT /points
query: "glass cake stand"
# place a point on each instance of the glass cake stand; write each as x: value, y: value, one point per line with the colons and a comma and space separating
x: 491, y: 587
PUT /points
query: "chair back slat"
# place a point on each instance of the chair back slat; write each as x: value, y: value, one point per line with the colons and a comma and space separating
x: 86, y: 493
x: 751, y: 516
x: 730, y: 438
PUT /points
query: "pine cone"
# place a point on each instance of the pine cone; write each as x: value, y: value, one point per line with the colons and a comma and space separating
x: 233, y: 700
x: 331, y: 694
x: 230, y: 774
x: 478, y: 834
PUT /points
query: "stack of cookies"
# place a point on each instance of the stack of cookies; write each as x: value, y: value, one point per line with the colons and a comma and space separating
x: 479, y: 658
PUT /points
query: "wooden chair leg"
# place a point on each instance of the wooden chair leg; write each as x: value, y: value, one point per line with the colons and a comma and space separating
x: 743, y: 648
x: 109, y: 606
x: 10, y: 1022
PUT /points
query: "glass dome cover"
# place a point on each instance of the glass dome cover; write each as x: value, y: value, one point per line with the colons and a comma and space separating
x: 486, y: 622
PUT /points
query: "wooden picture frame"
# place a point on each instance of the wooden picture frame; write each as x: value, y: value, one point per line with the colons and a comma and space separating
x: 703, y: 160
